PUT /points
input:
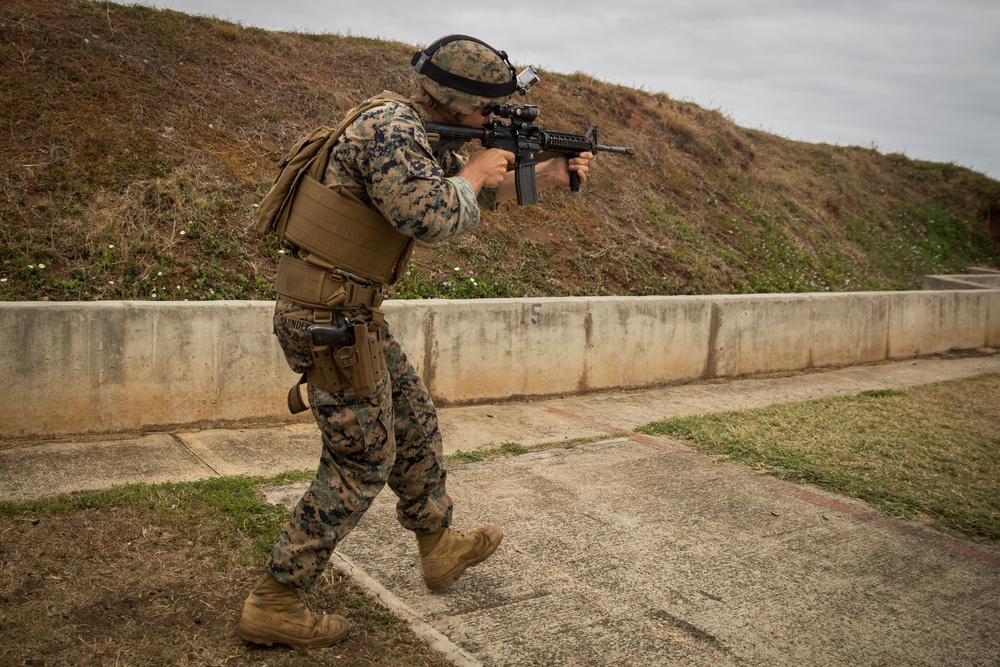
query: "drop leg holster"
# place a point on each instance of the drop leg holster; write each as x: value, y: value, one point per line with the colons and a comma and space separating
x: 360, y: 366
x: 363, y: 363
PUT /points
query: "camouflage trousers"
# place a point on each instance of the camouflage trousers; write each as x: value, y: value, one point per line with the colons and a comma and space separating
x: 390, y: 437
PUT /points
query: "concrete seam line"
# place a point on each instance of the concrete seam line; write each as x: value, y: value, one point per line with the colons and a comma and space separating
x: 187, y: 446
x: 664, y: 444
x: 448, y: 649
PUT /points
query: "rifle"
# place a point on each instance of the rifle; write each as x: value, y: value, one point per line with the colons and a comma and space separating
x: 528, y: 142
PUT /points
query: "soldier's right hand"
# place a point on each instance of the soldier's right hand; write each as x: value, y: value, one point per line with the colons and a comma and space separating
x: 487, y: 168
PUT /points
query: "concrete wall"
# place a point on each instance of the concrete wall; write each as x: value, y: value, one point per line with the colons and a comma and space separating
x: 72, y: 368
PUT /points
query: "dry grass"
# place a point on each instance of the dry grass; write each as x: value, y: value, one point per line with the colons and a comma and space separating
x: 146, y: 575
x: 932, y: 452
x: 136, y: 142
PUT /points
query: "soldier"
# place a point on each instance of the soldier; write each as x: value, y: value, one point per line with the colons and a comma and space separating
x: 377, y: 420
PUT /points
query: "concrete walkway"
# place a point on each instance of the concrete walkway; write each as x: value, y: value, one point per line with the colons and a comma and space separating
x: 629, y: 550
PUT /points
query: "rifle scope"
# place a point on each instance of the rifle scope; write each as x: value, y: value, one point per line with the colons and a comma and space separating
x: 526, y: 112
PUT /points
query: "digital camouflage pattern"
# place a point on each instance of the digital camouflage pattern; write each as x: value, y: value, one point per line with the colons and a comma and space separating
x: 385, y: 159
x: 470, y: 60
x: 390, y: 437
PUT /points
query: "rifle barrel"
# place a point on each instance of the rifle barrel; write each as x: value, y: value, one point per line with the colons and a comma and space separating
x: 622, y: 150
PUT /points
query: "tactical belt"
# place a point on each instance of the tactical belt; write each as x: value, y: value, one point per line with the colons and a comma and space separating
x: 314, y: 286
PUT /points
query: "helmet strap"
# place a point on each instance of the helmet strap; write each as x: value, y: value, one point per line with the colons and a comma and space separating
x: 421, y: 62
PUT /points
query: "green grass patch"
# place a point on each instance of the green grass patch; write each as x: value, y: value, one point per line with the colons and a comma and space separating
x: 186, y: 508
x: 505, y: 449
x: 516, y: 448
x: 456, y: 282
x: 922, y: 239
x: 157, y: 574
x: 932, y: 452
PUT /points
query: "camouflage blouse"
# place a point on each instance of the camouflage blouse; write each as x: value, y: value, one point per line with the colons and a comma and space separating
x: 385, y: 159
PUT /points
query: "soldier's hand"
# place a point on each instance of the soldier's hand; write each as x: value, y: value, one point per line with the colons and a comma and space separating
x: 555, y: 172
x: 487, y: 168
x: 581, y: 165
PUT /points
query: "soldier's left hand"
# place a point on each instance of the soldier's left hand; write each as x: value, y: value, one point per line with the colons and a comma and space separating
x: 581, y: 165
x: 558, y: 169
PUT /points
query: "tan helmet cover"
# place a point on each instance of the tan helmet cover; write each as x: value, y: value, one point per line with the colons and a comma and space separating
x: 469, y: 59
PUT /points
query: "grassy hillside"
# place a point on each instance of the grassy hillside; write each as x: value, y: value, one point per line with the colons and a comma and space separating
x: 135, y: 144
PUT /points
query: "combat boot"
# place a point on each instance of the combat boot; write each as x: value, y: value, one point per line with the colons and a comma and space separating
x: 273, y: 614
x: 445, y: 554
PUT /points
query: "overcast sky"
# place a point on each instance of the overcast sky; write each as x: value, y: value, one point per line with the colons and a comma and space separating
x: 918, y: 77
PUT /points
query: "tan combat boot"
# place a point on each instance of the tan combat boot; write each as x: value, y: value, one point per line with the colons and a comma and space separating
x: 273, y: 614
x: 444, y: 555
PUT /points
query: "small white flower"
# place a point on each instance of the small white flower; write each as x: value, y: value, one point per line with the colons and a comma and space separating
x: 3, y: 280
x: 31, y: 266
x: 183, y: 232
x: 159, y: 273
x: 110, y: 245
x: 457, y: 269
x: 154, y: 295
x: 41, y: 266
x: 111, y: 282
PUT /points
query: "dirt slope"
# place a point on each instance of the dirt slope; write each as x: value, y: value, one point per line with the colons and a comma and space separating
x: 136, y: 142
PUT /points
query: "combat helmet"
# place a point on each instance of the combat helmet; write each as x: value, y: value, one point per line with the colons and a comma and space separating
x: 465, y: 74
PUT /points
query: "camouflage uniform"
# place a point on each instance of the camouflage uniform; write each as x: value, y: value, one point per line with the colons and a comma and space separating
x: 383, y: 158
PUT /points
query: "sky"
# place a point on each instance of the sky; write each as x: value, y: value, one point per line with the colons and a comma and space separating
x: 918, y: 77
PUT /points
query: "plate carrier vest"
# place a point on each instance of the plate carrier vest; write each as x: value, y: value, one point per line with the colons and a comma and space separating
x: 335, y: 228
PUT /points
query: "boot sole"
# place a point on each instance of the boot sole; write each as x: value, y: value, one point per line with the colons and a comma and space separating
x: 452, y: 575
x: 267, y: 637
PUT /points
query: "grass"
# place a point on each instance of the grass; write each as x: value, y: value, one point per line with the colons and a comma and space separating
x: 156, y: 575
x: 931, y: 453
x: 453, y: 282
x: 515, y: 449
x: 923, y: 239
x: 504, y: 449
